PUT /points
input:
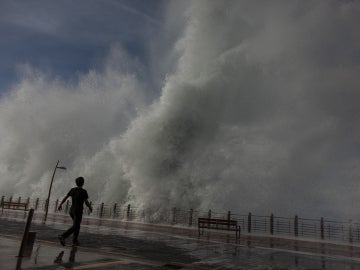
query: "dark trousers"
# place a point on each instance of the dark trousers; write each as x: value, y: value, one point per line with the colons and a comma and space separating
x: 75, y: 228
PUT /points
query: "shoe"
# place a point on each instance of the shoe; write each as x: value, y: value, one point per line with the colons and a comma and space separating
x: 62, y: 240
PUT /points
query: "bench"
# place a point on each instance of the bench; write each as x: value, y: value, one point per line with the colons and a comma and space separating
x: 218, y: 224
x: 14, y: 205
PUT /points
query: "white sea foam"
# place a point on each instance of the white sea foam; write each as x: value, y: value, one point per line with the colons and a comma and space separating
x: 260, y: 114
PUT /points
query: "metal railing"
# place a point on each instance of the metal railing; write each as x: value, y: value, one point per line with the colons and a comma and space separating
x: 323, y: 229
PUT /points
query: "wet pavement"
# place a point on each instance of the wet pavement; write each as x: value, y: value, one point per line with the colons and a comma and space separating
x: 140, y: 246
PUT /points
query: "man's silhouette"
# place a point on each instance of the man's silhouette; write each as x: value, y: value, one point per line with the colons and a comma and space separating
x: 79, y: 196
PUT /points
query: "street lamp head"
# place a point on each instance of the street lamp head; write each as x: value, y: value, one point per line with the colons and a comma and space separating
x: 60, y: 167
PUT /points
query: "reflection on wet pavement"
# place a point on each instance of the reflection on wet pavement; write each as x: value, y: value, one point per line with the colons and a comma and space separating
x: 119, y: 248
x: 246, y: 254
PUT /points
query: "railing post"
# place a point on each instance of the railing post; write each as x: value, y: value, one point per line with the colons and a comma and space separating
x: 56, y: 205
x: 114, y: 210
x: 209, y: 214
x: 350, y: 232
x: 2, y: 200
x: 101, y: 210
x: 272, y: 224
x: 191, y: 217
x: 19, y: 201
x: 36, y: 203
x: 229, y: 217
x: 89, y: 209
x: 128, y: 212
x: 28, y: 202
x: 249, y: 222
x: 296, y: 226
x: 174, y: 216
x: 322, y: 231
x: 67, y: 207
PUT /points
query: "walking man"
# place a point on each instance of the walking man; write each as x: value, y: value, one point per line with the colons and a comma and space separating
x: 79, y: 196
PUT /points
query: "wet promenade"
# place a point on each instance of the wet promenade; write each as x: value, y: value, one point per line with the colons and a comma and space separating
x: 122, y: 245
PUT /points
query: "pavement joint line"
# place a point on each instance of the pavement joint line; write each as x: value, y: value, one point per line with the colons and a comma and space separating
x: 100, y: 264
x: 13, y: 236
x: 311, y: 253
x: 90, y: 249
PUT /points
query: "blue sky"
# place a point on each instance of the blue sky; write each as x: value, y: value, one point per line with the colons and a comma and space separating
x: 64, y: 38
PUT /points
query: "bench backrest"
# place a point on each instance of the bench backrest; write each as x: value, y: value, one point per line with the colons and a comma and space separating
x: 14, y: 204
x: 217, y: 221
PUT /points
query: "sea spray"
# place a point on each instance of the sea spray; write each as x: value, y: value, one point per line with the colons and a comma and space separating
x: 259, y: 114
x: 252, y: 119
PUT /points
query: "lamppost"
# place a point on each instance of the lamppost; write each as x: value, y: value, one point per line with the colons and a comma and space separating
x: 48, y: 198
